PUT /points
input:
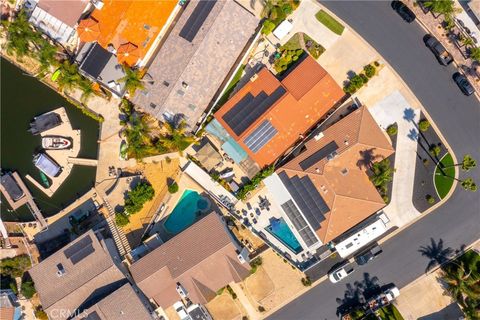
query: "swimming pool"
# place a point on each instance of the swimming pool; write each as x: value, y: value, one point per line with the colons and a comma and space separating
x: 186, y: 211
x: 280, y: 230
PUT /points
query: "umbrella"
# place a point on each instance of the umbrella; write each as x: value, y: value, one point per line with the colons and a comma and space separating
x: 128, y: 53
x: 88, y: 30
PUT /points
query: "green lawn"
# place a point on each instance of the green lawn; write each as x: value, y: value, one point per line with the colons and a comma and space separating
x: 443, y: 184
x: 329, y: 22
x: 390, y: 313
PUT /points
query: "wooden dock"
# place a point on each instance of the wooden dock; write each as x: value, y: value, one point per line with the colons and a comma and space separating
x: 26, y: 199
x: 83, y: 161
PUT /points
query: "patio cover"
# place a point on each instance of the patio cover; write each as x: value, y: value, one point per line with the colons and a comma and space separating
x: 208, y: 156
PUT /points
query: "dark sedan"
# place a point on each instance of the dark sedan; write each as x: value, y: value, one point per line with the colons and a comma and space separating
x: 463, y: 83
x: 403, y: 11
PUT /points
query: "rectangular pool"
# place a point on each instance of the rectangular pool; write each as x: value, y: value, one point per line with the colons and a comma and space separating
x: 280, y: 230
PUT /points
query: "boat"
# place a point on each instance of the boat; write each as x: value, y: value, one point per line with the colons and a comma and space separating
x: 46, y: 165
x: 11, y: 186
x: 44, y: 122
x: 45, y: 181
x: 56, y: 143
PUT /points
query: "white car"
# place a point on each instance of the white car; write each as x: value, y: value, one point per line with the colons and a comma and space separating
x: 181, y: 311
x: 340, y: 273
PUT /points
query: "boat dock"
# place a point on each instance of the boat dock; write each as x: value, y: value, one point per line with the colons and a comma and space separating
x: 26, y: 199
x: 83, y: 161
x: 60, y: 156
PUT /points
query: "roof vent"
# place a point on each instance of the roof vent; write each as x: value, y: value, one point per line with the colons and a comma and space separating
x: 346, y: 142
x: 344, y: 171
x: 319, y: 136
x: 254, y: 77
x: 317, y: 170
x: 184, y: 85
x: 60, y: 270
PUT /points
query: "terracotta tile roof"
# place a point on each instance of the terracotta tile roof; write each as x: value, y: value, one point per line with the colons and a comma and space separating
x: 122, y: 304
x: 88, y: 268
x: 342, y: 181
x: 202, y: 258
x: 310, y: 92
x: 138, y: 22
x: 67, y: 11
x: 7, y: 313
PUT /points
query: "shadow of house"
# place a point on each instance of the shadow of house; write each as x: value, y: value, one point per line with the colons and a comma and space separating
x: 452, y: 311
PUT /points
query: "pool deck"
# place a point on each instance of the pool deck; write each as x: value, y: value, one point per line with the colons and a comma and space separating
x: 62, y: 157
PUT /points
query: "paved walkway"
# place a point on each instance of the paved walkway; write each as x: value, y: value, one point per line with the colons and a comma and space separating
x: 252, y: 313
x: 395, y: 108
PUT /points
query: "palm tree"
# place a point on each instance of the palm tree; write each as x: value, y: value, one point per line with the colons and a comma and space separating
x: 87, y: 90
x: 475, y: 54
x: 468, y: 162
x: 445, y: 7
x: 20, y: 36
x: 469, y: 185
x: 132, y: 79
x: 69, y: 76
x: 175, y: 138
x: 47, y: 55
x: 382, y: 173
x: 436, y: 253
x: 138, y: 138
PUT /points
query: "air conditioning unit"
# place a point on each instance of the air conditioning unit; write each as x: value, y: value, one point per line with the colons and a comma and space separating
x: 318, y: 136
x: 254, y: 77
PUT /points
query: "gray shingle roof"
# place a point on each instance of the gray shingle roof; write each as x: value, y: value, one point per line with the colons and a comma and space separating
x: 187, y: 74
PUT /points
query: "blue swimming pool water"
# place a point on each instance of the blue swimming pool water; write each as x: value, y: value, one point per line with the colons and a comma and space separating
x: 280, y: 230
x: 185, y: 212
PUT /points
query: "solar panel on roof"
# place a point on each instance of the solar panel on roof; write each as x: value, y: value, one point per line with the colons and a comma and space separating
x: 299, y: 223
x: 260, y: 136
x: 249, y: 109
x: 307, y: 197
x: 324, y: 152
x: 95, y: 61
x: 82, y: 254
x: 196, y: 20
x: 69, y: 252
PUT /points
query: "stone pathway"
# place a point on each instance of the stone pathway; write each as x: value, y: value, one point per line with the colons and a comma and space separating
x: 395, y: 108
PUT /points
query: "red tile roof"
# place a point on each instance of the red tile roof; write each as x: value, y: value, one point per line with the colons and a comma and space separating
x: 310, y: 93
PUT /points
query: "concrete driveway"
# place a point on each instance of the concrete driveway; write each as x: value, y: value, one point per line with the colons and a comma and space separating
x: 395, y: 109
x: 304, y: 20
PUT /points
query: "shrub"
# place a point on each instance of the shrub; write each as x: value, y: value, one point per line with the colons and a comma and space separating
x: 173, y: 187
x: 253, y: 184
x: 392, y: 130
x: 435, y: 150
x: 423, y: 125
x: 364, y: 78
x: 306, y: 281
x: 254, y: 264
x: 14, y: 267
x: 430, y: 199
x: 28, y: 289
x: 376, y: 64
x: 40, y: 314
x: 261, y: 309
x: 121, y: 219
x: 137, y: 197
x: 268, y: 27
x: 385, y: 198
x: 232, y: 293
x: 369, y: 70
x: 357, y: 81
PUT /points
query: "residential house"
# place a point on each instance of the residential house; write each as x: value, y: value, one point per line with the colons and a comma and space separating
x: 10, y: 309
x: 78, y: 276
x: 267, y: 116
x: 325, y: 190
x: 123, y: 304
x: 194, y: 60
x: 128, y: 28
x: 57, y: 19
x: 198, y: 261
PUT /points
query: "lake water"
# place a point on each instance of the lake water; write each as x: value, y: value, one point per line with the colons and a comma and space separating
x: 22, y: 98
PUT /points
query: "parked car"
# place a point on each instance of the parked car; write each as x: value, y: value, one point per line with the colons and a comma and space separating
x: 403, y: 11
x: 181, y: 311
x: 368, y: 255
x: 438, y: 50
x: 463, y: 83
x: 341, y: 272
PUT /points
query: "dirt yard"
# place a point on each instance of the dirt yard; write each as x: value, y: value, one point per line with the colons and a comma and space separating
x: 157, y: 174
x: 274, y: 282
x: 225, y: 308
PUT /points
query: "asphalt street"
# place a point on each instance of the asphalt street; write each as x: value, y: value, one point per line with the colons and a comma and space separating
x: 457, y: 222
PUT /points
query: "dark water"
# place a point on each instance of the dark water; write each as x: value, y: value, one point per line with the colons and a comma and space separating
x: 22, y: 98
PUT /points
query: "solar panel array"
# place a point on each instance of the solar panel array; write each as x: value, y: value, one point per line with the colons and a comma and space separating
x: 249, y: 109
x: 96, y: 61
x: 80, y: 250
x: 196, y: 19
x: 260, y: 136
x: 318, y: 155
x: 299, y: 223
x: 307, y: 197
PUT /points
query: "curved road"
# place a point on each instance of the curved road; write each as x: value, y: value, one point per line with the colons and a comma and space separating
x: 457, y: 222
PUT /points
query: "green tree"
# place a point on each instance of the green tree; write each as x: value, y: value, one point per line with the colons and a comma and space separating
x: 392, y: 130
x: 121, y: 219
x: 87, y: 90
x: 132, y: 79
x: 469, y: 185
x: 47, y: 55
x: 175, y: 138
x: 445, y: 7
x: 423, y: 125
x: 382, y: 173
x: 435, y: 150
x: 28, y: 289
x: 20, y: 35
x: 468, y: 163
x: 369, y: 70
x: 137, y: 197
x: 137, y: 133
x: 268, y: 27
x: 69, y: 76
x: 173, y: 187
x: 15, y: 267
x: 475, y: 54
